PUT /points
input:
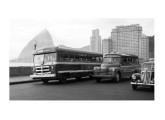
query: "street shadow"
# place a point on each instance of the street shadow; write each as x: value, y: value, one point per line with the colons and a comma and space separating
x: 69, y: 81
x: 146, y: 89
x: 109, y: 81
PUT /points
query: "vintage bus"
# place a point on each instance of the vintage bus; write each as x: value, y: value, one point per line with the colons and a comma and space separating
x: 53, y: 63
x: 116, y: 66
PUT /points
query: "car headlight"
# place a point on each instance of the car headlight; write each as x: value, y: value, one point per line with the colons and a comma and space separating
x: 134, y: 76
x: 52, y: 67
x: 111, y: 69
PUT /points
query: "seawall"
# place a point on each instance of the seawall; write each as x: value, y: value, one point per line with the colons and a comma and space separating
x: 20, y: 71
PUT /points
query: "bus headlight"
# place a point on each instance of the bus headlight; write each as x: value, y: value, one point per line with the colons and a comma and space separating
x: 33, y: 69
x: 134, y: 76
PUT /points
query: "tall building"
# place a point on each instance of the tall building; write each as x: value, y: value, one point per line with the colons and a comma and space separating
x: 126, y: 39
x: 144, y: 47
x: 106, y: 45
x: 151, y: 47
x: 110, y: 45
x: 95, y: 42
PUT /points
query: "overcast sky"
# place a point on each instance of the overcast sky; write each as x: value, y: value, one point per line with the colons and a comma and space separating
x: 74, y: 33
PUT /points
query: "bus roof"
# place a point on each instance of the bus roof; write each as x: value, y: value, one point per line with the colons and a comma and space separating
x: 120, y: 54
x: 58, y: 49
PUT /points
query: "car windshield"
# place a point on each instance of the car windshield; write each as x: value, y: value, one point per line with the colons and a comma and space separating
x: 44, y: 59
x: 111, y: 60
x: 148, y: 66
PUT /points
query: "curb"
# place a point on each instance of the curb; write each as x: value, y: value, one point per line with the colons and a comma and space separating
x: 21, y: 82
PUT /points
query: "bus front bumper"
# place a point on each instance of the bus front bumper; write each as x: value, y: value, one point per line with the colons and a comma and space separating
x: 35, y: 76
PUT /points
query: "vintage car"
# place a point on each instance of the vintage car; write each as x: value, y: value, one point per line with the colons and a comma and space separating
x: 145, y: 77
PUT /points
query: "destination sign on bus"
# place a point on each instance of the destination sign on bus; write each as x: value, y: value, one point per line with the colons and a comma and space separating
x: 43, y: 50
x: 108, y: 55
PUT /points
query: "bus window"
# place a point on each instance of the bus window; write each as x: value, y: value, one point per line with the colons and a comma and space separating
x: 135, y: 61
x: 60, y: 57
x: 77, y: 57
x: 93, y: 59
x: 49, y: 58
x: 124, y: 61
x: 129, y: 61
x: 111, y: 60
x: 71, y: 58
x: 98, y: 59
x: 63, y: 57
x: 38, y: 59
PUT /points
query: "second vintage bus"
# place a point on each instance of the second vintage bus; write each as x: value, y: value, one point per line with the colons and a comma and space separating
x: 116, y: 66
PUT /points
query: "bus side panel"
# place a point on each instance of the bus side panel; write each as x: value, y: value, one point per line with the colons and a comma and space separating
x: 75, y: 70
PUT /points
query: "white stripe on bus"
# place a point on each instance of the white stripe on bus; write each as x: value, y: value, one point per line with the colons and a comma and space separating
x: 82, y: 63
x: 74, y: 71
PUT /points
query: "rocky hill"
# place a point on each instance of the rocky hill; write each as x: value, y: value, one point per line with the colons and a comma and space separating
x: 43, y: 39
x: 85, y: 48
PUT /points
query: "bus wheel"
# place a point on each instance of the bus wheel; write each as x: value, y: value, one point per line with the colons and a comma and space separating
x: 134, y: 87
x: 98, y: 80
x: 117, y: 77
x: 45, y: 81
x: 63, y: 79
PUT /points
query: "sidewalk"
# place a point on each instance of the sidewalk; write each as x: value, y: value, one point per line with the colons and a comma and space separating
x: 21, y: 79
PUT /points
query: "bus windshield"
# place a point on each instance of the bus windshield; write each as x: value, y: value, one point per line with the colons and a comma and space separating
x: 111, y: 60
x: 44, y: 59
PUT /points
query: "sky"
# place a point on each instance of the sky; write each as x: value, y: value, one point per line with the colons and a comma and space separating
x: 73, y: 33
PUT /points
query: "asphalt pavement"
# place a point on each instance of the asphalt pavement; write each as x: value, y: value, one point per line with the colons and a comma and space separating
x: 21, y: 79
x: 84, y: 89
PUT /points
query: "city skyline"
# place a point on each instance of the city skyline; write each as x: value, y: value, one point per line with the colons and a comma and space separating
x: 68, y: 32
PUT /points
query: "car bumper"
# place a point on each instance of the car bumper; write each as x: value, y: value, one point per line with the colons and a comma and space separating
x: 142, y: 84
x: 36, y: 76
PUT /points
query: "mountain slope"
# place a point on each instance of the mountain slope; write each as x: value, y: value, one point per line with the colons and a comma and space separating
x: 43, y: 39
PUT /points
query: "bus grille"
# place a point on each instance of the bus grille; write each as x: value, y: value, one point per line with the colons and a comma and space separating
x: 42, y: 70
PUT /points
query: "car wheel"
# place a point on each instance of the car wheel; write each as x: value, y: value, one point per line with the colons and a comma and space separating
x: 117, y: 77
x: 134, y: 87
x: 45, y: 81
x: 98, y: 80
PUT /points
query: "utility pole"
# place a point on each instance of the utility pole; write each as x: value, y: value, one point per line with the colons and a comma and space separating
x: 35, y: 45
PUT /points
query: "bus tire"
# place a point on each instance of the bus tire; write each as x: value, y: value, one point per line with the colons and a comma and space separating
x: 63, y: 79
x: 117, y: 77
x: 134, y: 87
x: 45, y: 81
x: 98, y: 80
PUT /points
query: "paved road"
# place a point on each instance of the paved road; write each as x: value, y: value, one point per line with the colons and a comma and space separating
x: 79, y: 90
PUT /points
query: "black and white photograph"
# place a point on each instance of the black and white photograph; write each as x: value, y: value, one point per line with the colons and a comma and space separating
x: 82, y: 60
